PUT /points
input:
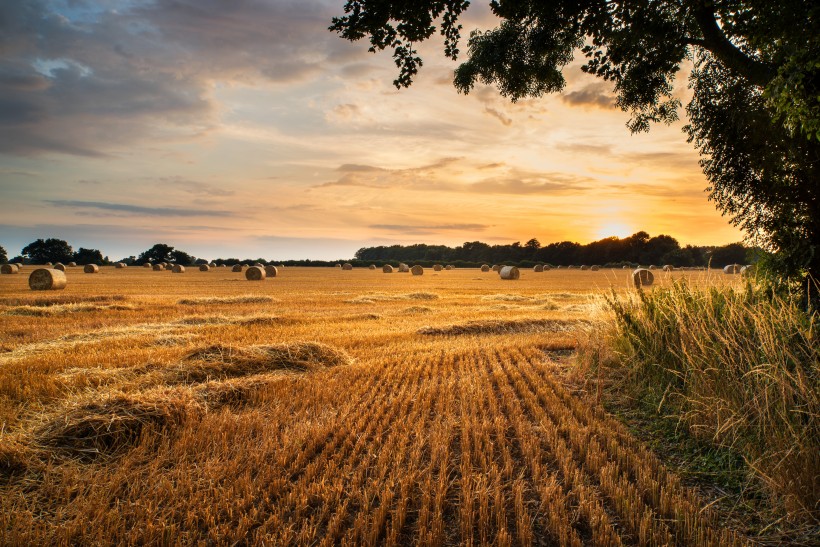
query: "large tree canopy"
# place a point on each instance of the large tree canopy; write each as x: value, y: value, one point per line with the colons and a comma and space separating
x: 754, y: 116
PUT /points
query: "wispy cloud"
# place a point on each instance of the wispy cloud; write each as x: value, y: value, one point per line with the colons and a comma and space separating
x: 596, y: 95
x: 138, y: 209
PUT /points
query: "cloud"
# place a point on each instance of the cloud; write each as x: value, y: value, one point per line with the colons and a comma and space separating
x: 505, y: 120
x: 195, y: 187
x: 595, y: 95
x: 432, y: 227
x: 89, y: 79
x: 138, y: 210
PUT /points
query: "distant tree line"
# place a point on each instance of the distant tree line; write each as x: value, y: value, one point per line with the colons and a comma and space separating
x: 636, y: 249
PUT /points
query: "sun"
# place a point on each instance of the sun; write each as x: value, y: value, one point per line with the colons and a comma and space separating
x: 617, y: 229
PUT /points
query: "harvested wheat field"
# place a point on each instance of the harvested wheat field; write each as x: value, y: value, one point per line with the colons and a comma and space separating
x: 322, y: 407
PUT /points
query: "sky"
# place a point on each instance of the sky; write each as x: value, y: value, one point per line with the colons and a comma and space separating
x: 247, y: 129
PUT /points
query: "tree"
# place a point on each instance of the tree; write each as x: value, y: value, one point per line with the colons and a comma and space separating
x: 755, y: 112
x: 158, y: 253
x: 3, y: 256
x: 181, y: 257
x: 733, y: 253
x: 88, y: 256
x: 48, y: 250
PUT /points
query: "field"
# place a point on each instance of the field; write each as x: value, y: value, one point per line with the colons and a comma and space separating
x: 322, y: 407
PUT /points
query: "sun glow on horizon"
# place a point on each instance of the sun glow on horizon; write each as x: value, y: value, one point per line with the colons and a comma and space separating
x: 614, y: 228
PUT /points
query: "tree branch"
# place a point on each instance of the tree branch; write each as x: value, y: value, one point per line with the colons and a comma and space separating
x: 726, y: 52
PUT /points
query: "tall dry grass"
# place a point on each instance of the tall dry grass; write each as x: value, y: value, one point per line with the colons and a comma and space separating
x: 736, y: 366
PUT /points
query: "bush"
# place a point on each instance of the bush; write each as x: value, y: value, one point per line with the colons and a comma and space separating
x: 738, y: 368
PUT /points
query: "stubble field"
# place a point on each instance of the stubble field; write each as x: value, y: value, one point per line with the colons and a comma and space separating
x: 321, y: 407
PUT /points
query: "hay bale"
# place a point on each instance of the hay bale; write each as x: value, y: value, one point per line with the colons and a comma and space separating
x: 91, y: 268
x: 7, y: 269
x: 120, y: 265
x: 59, y: 266
x: 372, y: 267
x: 547, y: 267
x: 271, y: 271
x: 668, y: 268
x: 147, y: 265
x: 653, y: 267
x: 18, y: 264
x: 237, y: 268
x: 347, y: 266
x: 47, y: 264
x: 259, y: 264
x: 570, y: 267
x: 594, y: 268
x: 255, y: 273
x: 437, y: 267
x: 731, y: 269
x: 749, y: 269
x: 222, y: 266
x: 178, y: 268
x: 158, y: 267
x: 509, y: 272
x: 404, y: 268
x: 642, y: 278
x: 496, y: 267
x: 485, y: 268
x: 338, y: 265
x: 584, y: 267
x: 204, y: 268
x: 387, y: 268
x: 417, y: 270
x: 46, y: 279
x: 72, y: 264
x: 538, y: 268
x: 449, y: 267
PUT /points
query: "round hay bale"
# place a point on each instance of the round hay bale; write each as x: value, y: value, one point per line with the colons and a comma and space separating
x: 642, y: 278
x: 59, y: 266
x: 624, y: 267
x: 204, y: 268
x: 570, y: 267
x: 559, y: 267
x: 387, y: 268
x: 271, y: 271
x: 212, y: 265
x: 47, y: 279
x: 280, y: 266
x: 449, y: 267
x: 748, y: 269
x: 372, y: 267
x: 538, y: 268
x: 178, y: 268
x: 594, y: 268
x: 237, y: 268
x: 120, y: 265
x: 91, y: 268
x: 547, y: 267
x: 8, y: 269
x: 72, y: 264
x: 584, y: 268
x: 255, y: 273
x: 653, y: 267
x: 509, y: 272
x: 222, y: 266
x: 147, y: 265
x: 496, y: 267
x: 47, y: 264
x: 668, y: 268
x: 347, y: 267
x: 259, y: 264
x: 731, y: 269
x: 437, y: 268
x: 18, y: 264
x: 338, y: 265
x: 485, y: 268
x: 417, y: 270
x: 158, y: 267
x: 404, y: 268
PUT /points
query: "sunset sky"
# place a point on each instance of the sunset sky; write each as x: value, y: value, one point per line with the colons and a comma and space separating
x: 247, y: 129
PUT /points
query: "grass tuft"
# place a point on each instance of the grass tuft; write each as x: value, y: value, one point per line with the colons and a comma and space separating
x: 501, y: 327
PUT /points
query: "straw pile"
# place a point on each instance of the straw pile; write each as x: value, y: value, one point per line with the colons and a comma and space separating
x: 46, y: 279
x: 91, y: 268
x: 255, y: 273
